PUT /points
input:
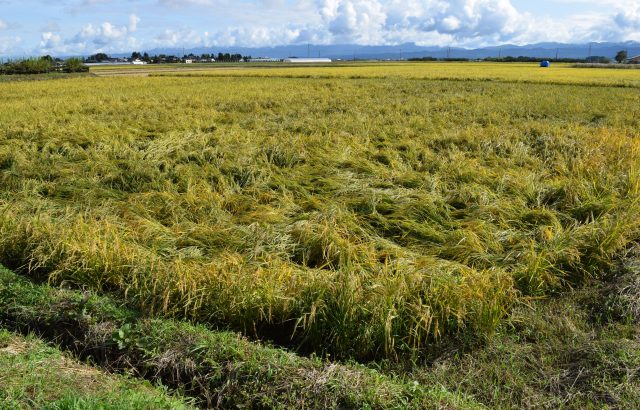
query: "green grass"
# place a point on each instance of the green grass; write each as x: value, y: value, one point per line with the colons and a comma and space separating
x: 41, y: 77
x: 37, y: 376
x: 580, y: 351
x: 219, y: 369
x: 361, y: 218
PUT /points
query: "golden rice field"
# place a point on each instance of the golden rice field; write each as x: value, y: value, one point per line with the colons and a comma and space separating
x: 366, y: 211
x: 509, y: 72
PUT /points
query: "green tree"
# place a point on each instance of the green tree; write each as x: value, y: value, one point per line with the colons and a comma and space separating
x: 100, y: 57
x: 74, y: 65
x: 621, y: 56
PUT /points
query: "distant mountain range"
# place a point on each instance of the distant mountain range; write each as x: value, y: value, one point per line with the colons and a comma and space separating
x: 411, y: 50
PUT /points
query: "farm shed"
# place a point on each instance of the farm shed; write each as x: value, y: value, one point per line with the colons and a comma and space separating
x: 264, y: 60
x: 307, y: 60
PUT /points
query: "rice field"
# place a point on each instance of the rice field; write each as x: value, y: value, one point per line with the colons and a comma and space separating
x: 461, y: 71
x: 364, y: 212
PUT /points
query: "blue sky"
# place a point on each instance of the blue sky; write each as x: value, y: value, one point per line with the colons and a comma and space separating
x: 75, y: 27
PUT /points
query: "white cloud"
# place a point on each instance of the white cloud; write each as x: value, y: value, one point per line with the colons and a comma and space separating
x: 108, y: 32
x: 106, y: 36
x: 358, y: 21
x: 471, y: 22
x: 10, y: 45
x: 467, y: 23
x: 133, y: 23
x: 49, y: 41
x: 458, y: 21
x: 240, y: 36
x: 629, y: 18
x: 3, y: 25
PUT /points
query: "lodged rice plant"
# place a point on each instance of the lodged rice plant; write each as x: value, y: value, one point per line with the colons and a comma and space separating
x: 361, y: 218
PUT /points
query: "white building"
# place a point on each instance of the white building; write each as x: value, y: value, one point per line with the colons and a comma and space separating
x: 307, y: 60
x: 264, y: 60
x: 138, y: 62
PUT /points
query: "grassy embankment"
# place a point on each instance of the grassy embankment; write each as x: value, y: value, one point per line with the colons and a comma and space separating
x: 217, y: 369
x: 37, y: 376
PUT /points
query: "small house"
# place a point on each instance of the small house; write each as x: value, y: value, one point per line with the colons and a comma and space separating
x: 633, y: 60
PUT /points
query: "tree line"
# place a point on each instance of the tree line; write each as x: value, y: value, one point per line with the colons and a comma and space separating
x: 169, y: 58
x: 620, y: 57
x: 43, y: 65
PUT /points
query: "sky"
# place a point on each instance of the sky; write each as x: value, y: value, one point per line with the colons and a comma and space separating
x: 83, y: 27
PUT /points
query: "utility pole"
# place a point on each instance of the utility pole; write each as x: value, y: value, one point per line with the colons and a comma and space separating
x: 400, y: 53
x: 589, y: 51
x: 500, y: 54
x: 557, y: 51
x: 448, y: 52
x: 308, y: 50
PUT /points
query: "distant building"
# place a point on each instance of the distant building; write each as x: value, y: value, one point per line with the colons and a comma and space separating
x: 138, y: 62
x: 307, y: 60
x: 634, y: 60
x: 188, y: 61
x: 264, y: 60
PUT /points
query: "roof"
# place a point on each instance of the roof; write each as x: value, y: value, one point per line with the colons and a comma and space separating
x: 307, y: 60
